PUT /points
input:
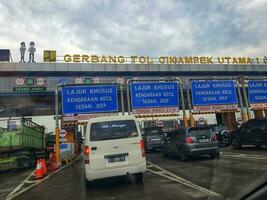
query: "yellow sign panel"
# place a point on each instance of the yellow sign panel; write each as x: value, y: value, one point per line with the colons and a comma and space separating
x: 84, y: 58
x: 50, y: 56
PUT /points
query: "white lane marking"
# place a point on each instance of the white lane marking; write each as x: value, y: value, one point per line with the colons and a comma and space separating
x: 14, y: 194
x: 30, y: 181
x: 242, y: 155
x: 20, y: 185
x: 169, y: 175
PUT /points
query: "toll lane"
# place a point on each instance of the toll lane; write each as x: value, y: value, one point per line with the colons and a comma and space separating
x: 70, y: 184
x: 231, y: 176
x: 10, y: 180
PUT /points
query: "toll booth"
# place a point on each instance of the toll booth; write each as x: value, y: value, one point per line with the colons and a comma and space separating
x: 159, y: 120
x: 73, y: 136
x: 227, y: 118
x: 259, y: 113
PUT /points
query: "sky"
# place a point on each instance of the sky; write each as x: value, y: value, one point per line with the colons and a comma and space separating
x: 147, y: 28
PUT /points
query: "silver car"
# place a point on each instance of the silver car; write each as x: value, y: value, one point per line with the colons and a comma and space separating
x: 185, y: 142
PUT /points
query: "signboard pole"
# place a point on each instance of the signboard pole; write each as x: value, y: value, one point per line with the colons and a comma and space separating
x: 57, y: 127
x: 192, y: 123
x: 122, y: 99
x: 183, y: 105
x: 128, y: 97
x: 241, y: 102
x: 246, y: 100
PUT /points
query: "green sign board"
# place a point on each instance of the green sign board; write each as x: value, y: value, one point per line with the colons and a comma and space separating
x: 29, y: 81
x: 88, y: 81
x: 29, y: 89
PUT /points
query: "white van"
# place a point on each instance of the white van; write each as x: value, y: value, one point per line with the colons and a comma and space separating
x: 113, y: 146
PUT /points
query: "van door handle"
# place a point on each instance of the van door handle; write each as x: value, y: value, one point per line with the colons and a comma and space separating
x: 94, y: 148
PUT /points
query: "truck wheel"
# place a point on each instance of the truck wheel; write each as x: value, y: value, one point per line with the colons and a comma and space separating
x: 182, y: 154
x: 32, y: 160
x: 23, y: 163
x: 139, y: 177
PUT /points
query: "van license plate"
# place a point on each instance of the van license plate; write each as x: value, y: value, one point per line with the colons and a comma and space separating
x: 203, y: 140
x: 116, y: 159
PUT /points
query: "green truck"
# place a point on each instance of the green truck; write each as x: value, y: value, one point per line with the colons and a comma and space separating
x: 21, y: 144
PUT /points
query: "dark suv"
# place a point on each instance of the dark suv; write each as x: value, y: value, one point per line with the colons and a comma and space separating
x: 190, y: 141
x: 253, y: 132
x: 153, y: 138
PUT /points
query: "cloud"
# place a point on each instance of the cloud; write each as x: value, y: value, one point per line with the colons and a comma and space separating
x: 151, y: 28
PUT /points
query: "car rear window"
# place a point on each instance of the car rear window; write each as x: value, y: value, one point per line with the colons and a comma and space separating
x: 153, y: 132
x: 196, y: 132
x: 111, y: 130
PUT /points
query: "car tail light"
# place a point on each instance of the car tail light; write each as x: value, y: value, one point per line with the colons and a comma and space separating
x: 189, y: 140
x: 142, y: 145
x: 86, y: 150
x: 214, y: 138
x: 86, y: 153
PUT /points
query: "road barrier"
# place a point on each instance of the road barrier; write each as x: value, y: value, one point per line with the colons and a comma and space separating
x: 73, y: 123
x: 157, y: 115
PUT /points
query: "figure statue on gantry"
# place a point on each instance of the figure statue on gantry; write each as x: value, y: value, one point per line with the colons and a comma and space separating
x: 31, y: 50
x: 22, y: 50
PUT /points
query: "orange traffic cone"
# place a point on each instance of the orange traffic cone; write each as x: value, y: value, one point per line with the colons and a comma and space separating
x: 39, y: 170
x: 44, y: 167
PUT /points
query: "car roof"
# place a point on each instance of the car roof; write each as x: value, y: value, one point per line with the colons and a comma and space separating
x: 111, y: 118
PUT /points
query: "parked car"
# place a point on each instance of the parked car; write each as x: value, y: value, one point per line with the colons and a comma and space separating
x: 113, y: 146
x: 253, y: 132
x: 185, y: 142
x: 153, y: 138
x: 222, y: 133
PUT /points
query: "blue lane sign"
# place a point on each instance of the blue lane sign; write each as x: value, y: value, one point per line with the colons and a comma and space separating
x: 206, y: 93
x: 89, y: 99
x: 257, y: 91
x: 63, y: 146
x: 154, y: 94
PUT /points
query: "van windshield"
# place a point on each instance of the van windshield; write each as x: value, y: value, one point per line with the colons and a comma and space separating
x: 111, y: 130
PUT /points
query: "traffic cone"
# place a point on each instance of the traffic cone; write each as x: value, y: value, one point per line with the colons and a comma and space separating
x: 39, y: 170
x: 44, y: 167
x: 52, y: 165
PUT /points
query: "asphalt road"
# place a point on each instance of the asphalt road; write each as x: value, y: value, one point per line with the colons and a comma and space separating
x: 9, y: 180
x: 232, y: 176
